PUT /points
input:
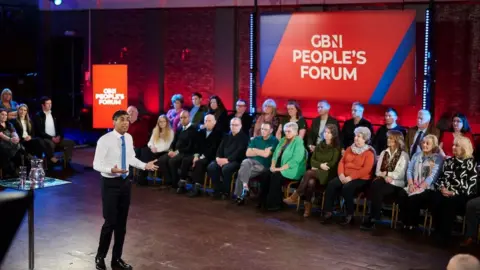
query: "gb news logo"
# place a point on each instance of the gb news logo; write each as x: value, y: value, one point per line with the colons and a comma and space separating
x: 109, y: 97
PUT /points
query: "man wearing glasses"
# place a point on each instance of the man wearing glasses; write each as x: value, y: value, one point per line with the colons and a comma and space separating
x: 241, y: 112
x: 230, y: 154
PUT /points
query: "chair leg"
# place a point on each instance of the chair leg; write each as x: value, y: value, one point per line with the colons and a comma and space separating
x: 463, y: 226
x: 323, y: 201
x: 364, y: 207
x: 397, y: 213
x: 425, y: 222
x: 205, y: 183
x: 232, y: 184
x: 298, y: 204
x: 430, y: 225
x: 393, y: 215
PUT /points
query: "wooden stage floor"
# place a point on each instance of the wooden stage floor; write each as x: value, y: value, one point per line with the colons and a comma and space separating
x: 170, y: 231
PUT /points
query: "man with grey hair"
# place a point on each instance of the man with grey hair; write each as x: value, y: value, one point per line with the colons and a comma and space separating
x: 463, y: 262
x: 207, y: 141
x: 230, y: 154
x: 357, y: 120
x: 315, y: 135
x: 416, y: 134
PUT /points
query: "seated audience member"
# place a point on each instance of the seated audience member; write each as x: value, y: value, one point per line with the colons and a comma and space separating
x: 11, y: 153
x: 456, y: 184
x: 288, y: 164
x: 379, y: 141
x: 8, y: 104
x: 24, y: 128
x: 460, y: 127
x: 269, y: 114
x: 49, y: 130
x: 390, y: 176
x: 230, y: 154
x: 316, y: 134
x: 415, y: 134
x: 217, y: 108
x: 463, y: 262
x: 206, y: 145
x: 183, y: 145
x: 324, y: 162
x: 294, y: 116
x: 197, y: 112
x: 242, y: 113
x: 354, y: 175
x: 259, y: 158
x: 173, y: 114
x: 139, y: 131
x: 158, y: 145
x: 472, y: 216
x: 422, y: 171
x: 357, y: 120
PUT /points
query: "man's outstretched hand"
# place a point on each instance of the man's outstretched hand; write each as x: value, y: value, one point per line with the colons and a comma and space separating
x: 151, y: 166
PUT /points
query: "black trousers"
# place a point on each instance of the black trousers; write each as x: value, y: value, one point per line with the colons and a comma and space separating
x: 115, y: 202
x: 35, y: 146
x: 271, y: 194
x: 410, y: 206
x: 225, y: 173
x: 379, y: 190
x: 444, y: 209
x: 198, y: 171
x: 348, y: 191
x: 146, y: 155
x: 169, y: 168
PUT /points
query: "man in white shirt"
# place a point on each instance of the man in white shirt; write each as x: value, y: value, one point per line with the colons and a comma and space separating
x: 48, y: 129
x: 113, y: 156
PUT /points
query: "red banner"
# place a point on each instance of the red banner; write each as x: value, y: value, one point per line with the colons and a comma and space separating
x: 110, y: 94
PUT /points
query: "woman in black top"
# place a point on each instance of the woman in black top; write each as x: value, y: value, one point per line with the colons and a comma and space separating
x: 10, y: 147
x: 24, y: 128
x: 456, y: 184
x: 216, y: 107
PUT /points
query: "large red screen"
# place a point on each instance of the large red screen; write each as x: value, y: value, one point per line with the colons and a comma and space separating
x: 366, y: 56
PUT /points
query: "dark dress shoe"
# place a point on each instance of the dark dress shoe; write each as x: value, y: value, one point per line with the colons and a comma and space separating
x: 348, y: 220
x: 100, y: 263
x: 119, y: 264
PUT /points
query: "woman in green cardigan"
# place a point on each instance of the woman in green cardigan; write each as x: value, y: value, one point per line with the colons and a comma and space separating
x: 288, y: 164
x: 324, y: 163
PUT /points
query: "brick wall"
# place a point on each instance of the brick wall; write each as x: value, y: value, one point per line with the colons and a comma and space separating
x: 141, y: 31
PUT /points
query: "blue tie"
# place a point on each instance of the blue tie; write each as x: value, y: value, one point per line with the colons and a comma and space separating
x: 124, y: 157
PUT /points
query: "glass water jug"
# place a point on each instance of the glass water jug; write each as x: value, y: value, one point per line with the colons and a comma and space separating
x: 37, y: 174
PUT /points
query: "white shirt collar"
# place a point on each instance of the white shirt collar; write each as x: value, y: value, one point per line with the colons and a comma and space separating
x: 118, y: 135
x: 187, y: 126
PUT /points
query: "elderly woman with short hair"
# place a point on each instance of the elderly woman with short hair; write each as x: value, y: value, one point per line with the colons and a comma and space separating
x: 173, y: 114
x: 423, y: 170
x: 288, y: 164
x: 354, y: 175
x: 269, y: 114
x: 455, y: 186
x: 390, y: 176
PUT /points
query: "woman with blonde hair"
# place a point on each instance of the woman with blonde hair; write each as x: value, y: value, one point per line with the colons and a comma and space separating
x: 8, y: 104
x: 160, y: 141
x: 422, y: 172
x: 269, y: 114
x: 24, y: 127
x: 455, y: 186
x: 390, y: 176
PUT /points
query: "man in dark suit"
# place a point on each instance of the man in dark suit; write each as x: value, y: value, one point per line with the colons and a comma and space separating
x: 197, y: 112
x: 207, y: 141
x: 241, y: 112
x: 315, y: 135
x: 181, y: 147
x: 357, y: 120
x: 48, y: 128
x: 417, y: 133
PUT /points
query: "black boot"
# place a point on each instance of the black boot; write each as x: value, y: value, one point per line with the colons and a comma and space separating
x: 100, y: 263
x: 119, y: 264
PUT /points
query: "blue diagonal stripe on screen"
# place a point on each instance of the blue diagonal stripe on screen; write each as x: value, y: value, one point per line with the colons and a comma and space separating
x: 394, y: 66
x: 272, y: 28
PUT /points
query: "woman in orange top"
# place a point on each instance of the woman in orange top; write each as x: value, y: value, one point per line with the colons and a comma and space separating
x: 460, y: 127
x: 354, y: 174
